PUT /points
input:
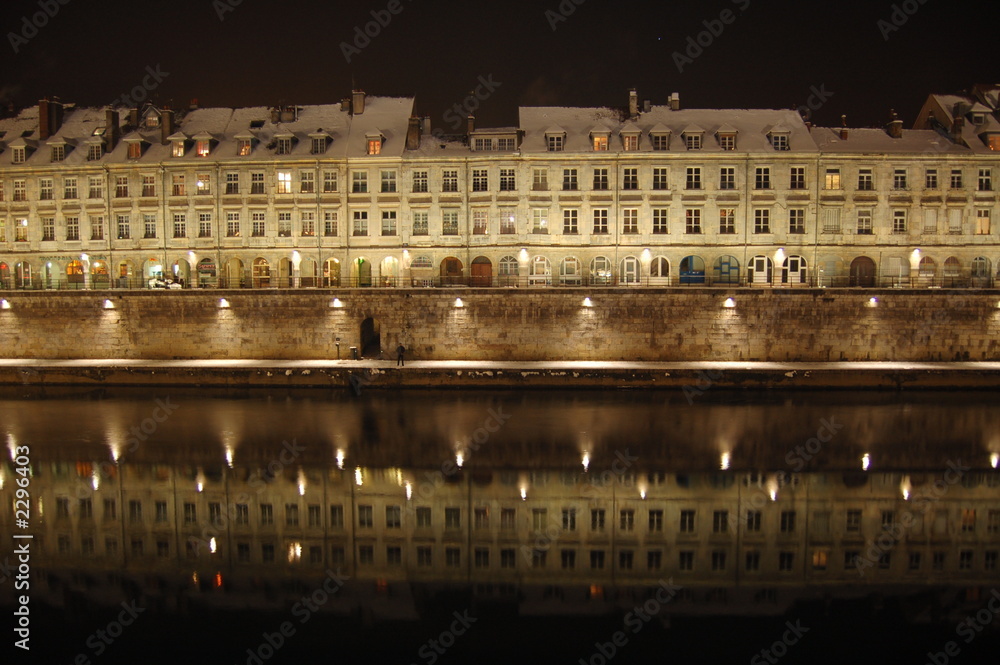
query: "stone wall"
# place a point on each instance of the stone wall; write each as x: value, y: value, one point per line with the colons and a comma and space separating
x: 509, y: 324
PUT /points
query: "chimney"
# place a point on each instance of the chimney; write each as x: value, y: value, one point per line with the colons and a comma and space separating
x: 843, y: 128
x: 345, y: 104
x: 166, y: 125
x: 193, y: 106
x: 413, y: 134
x: 358, y: 102
x: 44, y: 130
x: 112, y: 130
x: 133, y: 118
x: 427, y: 125
x: 956, y: 128
x: 675, y: 101
x: 633, y: 104
x: 275, y: 115
x: 470, y: 124
x: 55, y: 115
x: 896, y: 128
x: 289, y: 113
x: 647, y: 106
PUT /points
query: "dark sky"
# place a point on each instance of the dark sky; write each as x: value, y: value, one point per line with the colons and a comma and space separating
x: 772, y: 54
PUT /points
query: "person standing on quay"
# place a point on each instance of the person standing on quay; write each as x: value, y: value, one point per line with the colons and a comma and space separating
x: 400, y: 350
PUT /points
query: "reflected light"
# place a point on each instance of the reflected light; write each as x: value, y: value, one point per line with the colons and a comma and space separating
x: 866, y: 461
x: 873, y: 302
x: 3, y: 477
x: 200, y: 481
x: 336, y: 303
x: 115, y: 451
x: 409, y: 490
x: 524, y: 494
x: 724, y: 462
x: 212, y: 545
x: 229, y: 456
x: 642, y: 494
x: 302, y: 483
x: 95, y: 478
x: 294, y: 552
x: 586, y: 461
x: 223, y: 303
x: 459, y: 459
x: 340, y: 458
x: 108, y: 304
x: 357, y: 477
x: 772, y: 488
x: 994, y: 460
x: 905, y: 488
x: 587, y: 302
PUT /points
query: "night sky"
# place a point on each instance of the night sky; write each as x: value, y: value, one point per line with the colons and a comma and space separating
x: 770, y: 54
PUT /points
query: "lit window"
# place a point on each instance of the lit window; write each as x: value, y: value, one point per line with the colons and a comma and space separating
x: 600, y: 143
x: 244, y: 147
x: 375, y: 146
x: 284, y: 182
x: 178, y: 150
x: 202, y: 148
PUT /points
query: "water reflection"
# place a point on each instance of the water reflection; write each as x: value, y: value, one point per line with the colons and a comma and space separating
x: 579, y: 504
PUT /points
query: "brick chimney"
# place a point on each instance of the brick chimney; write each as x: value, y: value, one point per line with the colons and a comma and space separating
x: 413, y: 134
x: 633, y: 104
x: 675, y: 101
x: 843, y: 128
x: 470, y: 124
x: 357, y: 102
x: 166, y: 125
x: 43, y: 119
x: 112, y: 130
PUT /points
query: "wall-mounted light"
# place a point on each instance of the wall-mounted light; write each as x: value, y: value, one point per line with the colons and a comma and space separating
x: 994, y: 460
x: 873, y: 302
x: 866, y: 462
x: 4, y: 304
x: 459, y: 303
x: 729, y: 303
x: 336, y: 303
x: 587, y: 302
x: 223, y: 303
x: 108, y: 304
x: 724, y: 462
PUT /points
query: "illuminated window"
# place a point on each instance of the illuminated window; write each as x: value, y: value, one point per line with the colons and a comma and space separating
x: 982, y: 221
x: 375, y: 146
x: 630, y: 142
x: 244, y: 147
x: 203, y: 183
x: 600, y: 142
x: 178, y: 149
x: 284, y: 182
x: 832, y: 180
x: 202, y: 148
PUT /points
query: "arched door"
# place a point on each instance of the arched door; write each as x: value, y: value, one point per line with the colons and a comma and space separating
x: 631, y: 271
x: 4, y: 276
x: 181, y: 271
x: 481, y: 272
x: 100, y: 278
x: 760, y: 270
x: 235, y: 279
x: 793, y: 271
x: 307, y: 273
x: 22, y: 275
x: 284, y: 273
x: 452, y: 271
x: 659, y: 271
x: 692, y: 270
x: 726, y: 270
x: 863, y: 272
x: 261, y: 273
x: 331, y: 273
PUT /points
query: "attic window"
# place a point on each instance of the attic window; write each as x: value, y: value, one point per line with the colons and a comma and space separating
x: 692, y: 141
x: 18, y: 155
x: 727, y: 141
x: 779, y: 142
x: 660, y: 141
x: 95, y: 152
x: 978, y: 118
x: 178, y: 149
x: 374, y: 145
x: 134, y: 149
x: 318, y: 145
x: 58, y: 153
x: 98, y: 131
x: 202, y: 147
x: 284, y: 146
x: 993, y: 141
x: 555, y: 142
x: 152, y: 120
x: 630, y: 142
x: 600, y: 142
x: 244, y: 147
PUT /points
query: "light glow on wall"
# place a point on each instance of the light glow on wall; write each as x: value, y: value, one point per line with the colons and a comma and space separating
x: 724, y: 462
x: 4, y: 304
x: 108, y: 304
x: 729, y: 303
x: 336, y: 303
x: 866, y: 461
x: 223, y: 303
x: 459, y: 303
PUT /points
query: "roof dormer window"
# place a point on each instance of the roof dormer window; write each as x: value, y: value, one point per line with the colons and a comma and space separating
x: 283, y: 145
x: 374, y: 141
x: 659, y: 137
x: 727, y: 137
x: 202, y: 147
x: 18, y: 154
x: 135, y: 148
x: 152, y: 120
x: 555, y: 139
x: 319, y: 144
x: 178, y: 148
x: 244, y: 145
x: 599, y: 138
x: 95, y: 151
x: 692, y: 138
x: 58, y: 152
x: 779, y: 139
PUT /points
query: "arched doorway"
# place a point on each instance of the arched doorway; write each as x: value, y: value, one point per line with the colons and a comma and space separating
x: 452, y: 271
x: 371, y: 338
x: 570, y: 272
x: 926, y: 272
x: 100, y: 277
x: 388, y: 271
x: 285, y: 273
x: 362, y: 272
x: 4, y: 276
x: 793, y: 271
x: 863, y: 272
x: 261, y: 273
x: 482, y: 272
x: 726, y: 270
x: 47, y: 275
x: 760, y: 270
x: 692, y: 270
x: 307, y: 273
x: 539, y: 272
x: 234, y: 276
x: 508, y: 271
x: 331, y: 272
x: 74, y: 275
x: 659, y: 271
x: 600, y: 271
x: 631, y: 272
x: 181, y: 272
x: 207, y: 273
x: 22, y: 275
x: 953, y: 272
x: 981, y: 272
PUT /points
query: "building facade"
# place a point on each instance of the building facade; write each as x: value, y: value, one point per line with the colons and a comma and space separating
x: 363, y: 194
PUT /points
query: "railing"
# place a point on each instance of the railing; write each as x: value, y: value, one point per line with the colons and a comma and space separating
x: 962, y: 281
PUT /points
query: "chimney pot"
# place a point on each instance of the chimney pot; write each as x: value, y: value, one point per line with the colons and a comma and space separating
x: 633, y: 104
x: 413, y: 134
x: 358, y: 102
x: 427, y: 125
x: 471, y: 124
x: 166, y: 125
x: 675, y: 101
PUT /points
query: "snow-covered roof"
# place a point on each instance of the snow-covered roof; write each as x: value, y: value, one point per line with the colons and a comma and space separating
x: 578, y: 123
x: 878, y: 141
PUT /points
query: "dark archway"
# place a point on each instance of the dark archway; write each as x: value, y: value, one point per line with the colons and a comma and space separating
x: 863, y: 272
x: 371, y: 338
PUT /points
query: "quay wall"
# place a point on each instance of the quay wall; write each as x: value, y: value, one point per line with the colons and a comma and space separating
x: 674, y: 324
